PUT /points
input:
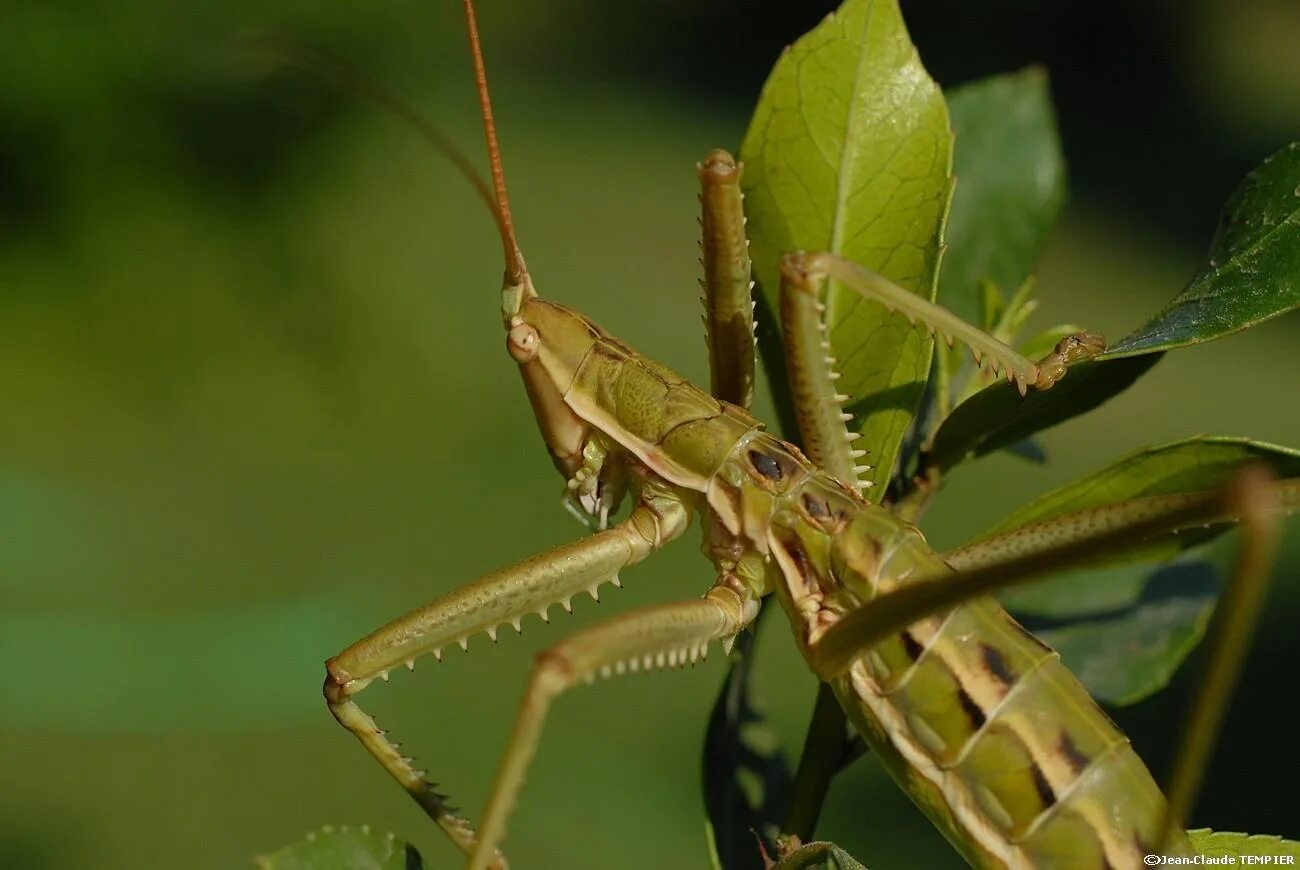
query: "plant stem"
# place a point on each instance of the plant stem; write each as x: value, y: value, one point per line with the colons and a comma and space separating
x: 824, y: 754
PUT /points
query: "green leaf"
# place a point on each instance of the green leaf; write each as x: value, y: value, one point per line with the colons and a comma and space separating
x: 849, y: 151
x: 819, y: 856
x: 344, y: 848
x: 1130, y: 653
x: 1254, y: 268
x: 1010, y: 185
x: 999, y: 416
x: 1226, y: 844
x: 1254, y: 274
x: 746, y: 777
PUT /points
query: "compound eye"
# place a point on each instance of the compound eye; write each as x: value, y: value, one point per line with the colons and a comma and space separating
x: 523, y: 342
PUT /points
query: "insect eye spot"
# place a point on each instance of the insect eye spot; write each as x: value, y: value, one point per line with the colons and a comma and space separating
x: 522, y: 342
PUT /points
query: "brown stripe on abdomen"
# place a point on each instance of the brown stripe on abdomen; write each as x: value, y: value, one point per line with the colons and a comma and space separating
x: 1046, y: 796
x: 1035, y: 748
x: 996, y: 665
x: 911, y: 645
x: 941, y: 711
x: 973, y: 711
x: 1110, y: 814
x: 1077, y: 759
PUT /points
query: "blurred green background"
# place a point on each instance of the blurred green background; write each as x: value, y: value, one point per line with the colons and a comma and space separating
x: 253, y: 400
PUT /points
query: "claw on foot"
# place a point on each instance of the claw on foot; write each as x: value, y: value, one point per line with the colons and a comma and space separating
x: 1069, y: 350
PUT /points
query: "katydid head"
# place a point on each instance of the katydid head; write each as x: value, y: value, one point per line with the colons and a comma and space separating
x: 548, y: 341
x: 550, y: 344
x: 550, y: 335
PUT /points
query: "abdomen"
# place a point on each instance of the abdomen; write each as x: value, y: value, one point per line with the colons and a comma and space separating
x: 990, y: 734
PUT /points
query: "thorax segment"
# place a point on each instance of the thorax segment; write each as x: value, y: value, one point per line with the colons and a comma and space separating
x: 676, y: 429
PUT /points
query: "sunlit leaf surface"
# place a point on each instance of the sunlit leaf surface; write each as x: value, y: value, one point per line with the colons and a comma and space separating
x: 344, y: 848
x: 849, y: 151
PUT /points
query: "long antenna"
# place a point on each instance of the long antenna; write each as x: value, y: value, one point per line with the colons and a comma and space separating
x: 515, y: 270
x: 335, y: 71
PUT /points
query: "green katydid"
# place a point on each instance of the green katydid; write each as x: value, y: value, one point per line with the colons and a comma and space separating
x: 977, y: 720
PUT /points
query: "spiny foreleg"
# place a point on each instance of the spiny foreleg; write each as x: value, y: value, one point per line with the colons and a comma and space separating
x: 502, y: 597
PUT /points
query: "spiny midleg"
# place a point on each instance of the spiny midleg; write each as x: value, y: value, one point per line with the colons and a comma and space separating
x: 671, y: 635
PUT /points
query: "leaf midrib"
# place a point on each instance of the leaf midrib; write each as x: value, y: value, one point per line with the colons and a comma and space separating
x: 841, y: 193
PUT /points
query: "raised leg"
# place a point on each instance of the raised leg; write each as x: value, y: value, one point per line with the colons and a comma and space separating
x: 727, y: 285
x: 809, y: 271
x: 1255, y: 501
x: 664, y: 635
x: 502, y: 597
